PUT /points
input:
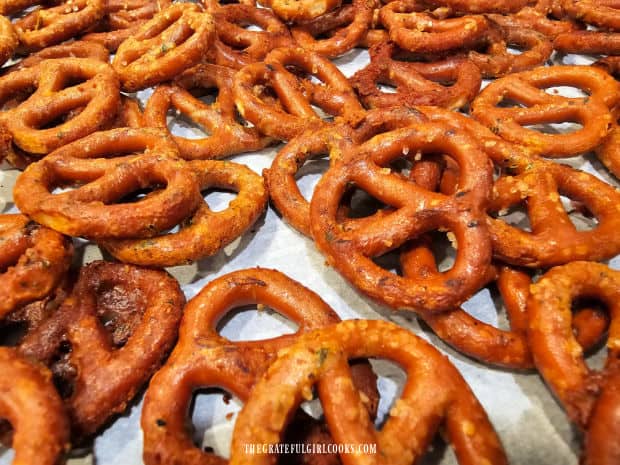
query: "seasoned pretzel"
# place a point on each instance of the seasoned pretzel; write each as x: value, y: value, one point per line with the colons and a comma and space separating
x: 225, y: 134
x: 205, y: 232
x: 236, y: 46
x: 350, y: 247
x: 33, y: 260
x: 346, y: 27
x: 419, y: 31
x: 91, y: 210
x: 75, y: 49
x: 32, y: 406
x: 8, y: 39
x: 295, y: 95
x: 107, y: 365
x: 416, y: 83
x: 203, y: 358
x: 175, y: 39
x: 588, y: 42
x: 528, y: 88
x: 8, y: 7
x: 97, y: 96
x: 300, y: 10
x: 50, y: 26
x: 435, y: 393
x: 602, y: 13
x: 482, y: 6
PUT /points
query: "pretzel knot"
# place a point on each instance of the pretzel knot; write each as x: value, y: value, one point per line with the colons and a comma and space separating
x: 205, y: 232
x: 203, y: 358
x: 33, y: 260
x: 237, y: 46
x: 350, y: 246
x: 91, y: 210
x: 528, y: 88
x: 175, y: 39
x: 590, y: 398
x: 435, y: 393
x: 50, y: 26
x: 293, y: 112
x: 107, y: 364
x: 32, y: 406
x: 226, y: 135
x: 54, y: 98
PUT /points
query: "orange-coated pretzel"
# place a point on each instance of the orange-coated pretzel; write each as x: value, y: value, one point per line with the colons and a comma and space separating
x: 416, y: 83
x: 76, y: 49
x: 415, y: 30
x: 528, y: 88
x: 435, y: 393
x: 225, y: 134
x: 8, y: 39
x: 203, y: 358
x: 33, y: 260
x: 588, y: 42
x: 175, y: 39
x: 536, y: 17
x: 300, y: 10
x: 345, y: 27
x: 130, y: 115
x: 91, y: 210
x: 8, y: 7
x: 351, y: 246
x: 107, y: 364
x: 50, y: 26
x: 495, y: 59
x: 559, y: 357
x: 482, y: 6
x: 30, y: 403
x: 609, y: 151
x: 97, y: 97
x: 292, y: 113
x: 601, y: 13
x: 205, y: 232
x: 237, y: 46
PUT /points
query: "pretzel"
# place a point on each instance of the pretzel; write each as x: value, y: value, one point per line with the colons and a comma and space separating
x: 528, y: 88
x: 225, y: 135
x: 350, y: 246
x: 300, y: 10
x: 33, y: 260
x: 296, y: 96
x: 97, y: 95
x: 8, y: 39
x: 50, y: 26
x: 346, y: 27
x: 236, y: 46
x: 32, y: 406
x: 204, y: 358
x: 435, y: 393
x: 175, y: 39
x: 205, y: 232
x: 75, y: 49
x: 536, y: 17
x: 416, y: 83
x: 601, y: 13
x: 482, y: 6
x: 130, y: 115
x: 8, y: 7
x: 559, y: 357
x: 588, y: 42
x: 91, y: 210
x: 107, y: 365
x: 418, y: 31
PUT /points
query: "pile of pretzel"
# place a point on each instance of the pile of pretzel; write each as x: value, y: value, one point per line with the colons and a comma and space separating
x: 417, y: 152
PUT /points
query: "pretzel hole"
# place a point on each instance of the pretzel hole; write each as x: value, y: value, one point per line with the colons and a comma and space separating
x: 310, y: 173
x: 120, y: 311
x: 591, y: 322
x: 566, y: 91
x: 219, y: 199
x: 444, y: 248
x: 555, y: 127
x: 182, y: 125
x: 357, y: 203
x: 508, y: 102
x: 390, y: 262
x: 16, y: 97
x: 241, y: 324
x: 515, y: 215
x: 391, y: 380
x: 64, y: 373
x: 579, y: 214
x: 12, y: 333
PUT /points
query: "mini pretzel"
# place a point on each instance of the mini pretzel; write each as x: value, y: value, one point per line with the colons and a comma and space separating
x: 346, y: 27
x: 75, y: 49
x: 98, y: 97
x: 435, y: 393
x: 175, y: 39
x: 482, y: 6
x: 416, y: 83
x: 205, y: 232
x: 588, y: 42
x: 350, y: 247
x: 225, y: 135
x: 8, y: 39
x: 203, y: 358
x: 90, y: 210
x: 33, y: 260
x: 300, y: 10
x: 418, y: 31
x: 236, y: 46
x: 50, y: 26
x: 536, y: 17
x: 8, y: 7
x: 601, y: 13
x: 32, y: 406
x: 294, y: 113
x: 107, y: 365
x: 528, y: 88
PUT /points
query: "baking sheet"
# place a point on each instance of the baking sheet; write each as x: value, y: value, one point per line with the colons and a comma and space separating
x: 531, y: 425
